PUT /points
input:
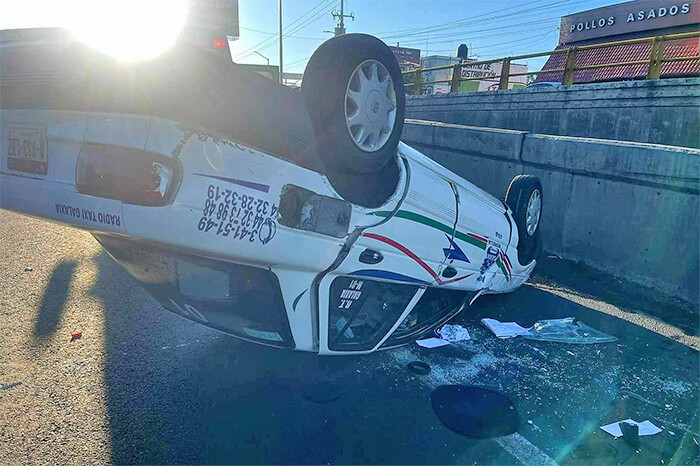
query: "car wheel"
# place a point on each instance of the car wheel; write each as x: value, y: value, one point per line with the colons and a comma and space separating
x: 353, y: 90
x: 524, y: 198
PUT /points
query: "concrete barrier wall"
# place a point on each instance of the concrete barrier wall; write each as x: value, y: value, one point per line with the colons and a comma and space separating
x: 655, y: 111
x: 630, y: 209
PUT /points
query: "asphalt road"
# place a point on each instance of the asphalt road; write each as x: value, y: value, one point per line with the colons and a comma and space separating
x: 143, y: 385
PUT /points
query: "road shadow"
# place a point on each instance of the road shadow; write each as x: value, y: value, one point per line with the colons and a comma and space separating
x: 54, y: 300
x: 178, y: 392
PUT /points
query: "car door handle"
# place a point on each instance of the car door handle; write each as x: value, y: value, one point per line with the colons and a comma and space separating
x: 371, y: 257
x: 449, y: 272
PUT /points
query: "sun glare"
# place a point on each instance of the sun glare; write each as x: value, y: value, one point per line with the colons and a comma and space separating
x: 129, y: 30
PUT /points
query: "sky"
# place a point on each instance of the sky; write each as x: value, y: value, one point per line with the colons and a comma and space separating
x: 491, y: 29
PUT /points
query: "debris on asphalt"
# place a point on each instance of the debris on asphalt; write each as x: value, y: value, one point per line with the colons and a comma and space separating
x: 28, y: 269
x: 10, y: 386
x: 556, y: 330
x: 453, y: 333
x: 566, y: 331
x: 432, y: 342
x: 644, y: 428
x: 419, y: 367
x: 630, y: 433
x: 504, y: 329
x: 75, y: 336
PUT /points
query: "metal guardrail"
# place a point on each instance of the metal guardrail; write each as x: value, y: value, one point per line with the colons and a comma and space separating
x: 655, y: 61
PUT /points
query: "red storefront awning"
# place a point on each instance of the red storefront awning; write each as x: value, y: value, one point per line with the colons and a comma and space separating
x: 622, y: 53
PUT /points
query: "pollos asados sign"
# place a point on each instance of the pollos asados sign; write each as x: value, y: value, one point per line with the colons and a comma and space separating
x: 640, y: 15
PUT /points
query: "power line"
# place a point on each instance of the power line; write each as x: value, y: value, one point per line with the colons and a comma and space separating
x: 490, y: 46
x: 451, y: 22
x: 468, y: 36
x: 315, y: 17
x: 274, y: 34
x: 496, y: 49
x: 271, y: 40
x: 301, y: 26
x: 497, y: 46
x: 426, y: 33
x: 470, y: 21
x: 296, y: 62
x: 423, y: 34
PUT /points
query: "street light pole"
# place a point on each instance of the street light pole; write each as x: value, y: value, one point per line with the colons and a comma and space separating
x: 258, y: 53
x: 281, y: 56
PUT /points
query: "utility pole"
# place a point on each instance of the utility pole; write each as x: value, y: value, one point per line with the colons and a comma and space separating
x: 281, y: 57
x: 340, y: 16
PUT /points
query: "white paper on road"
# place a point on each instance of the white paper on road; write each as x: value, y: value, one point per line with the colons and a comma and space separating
x: 453, y: 333
x: 648, y: 428
x: 432, y: 342
x: 645, y: 428
x: 504, y: 329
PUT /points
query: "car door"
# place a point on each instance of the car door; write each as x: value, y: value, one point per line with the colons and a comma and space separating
x: 388, y: 267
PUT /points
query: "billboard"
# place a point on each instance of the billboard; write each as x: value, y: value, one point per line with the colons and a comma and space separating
x: 483, y: 70
x: 407, y: 58
x: 269, y: 71
x: 640, y: 15
x: 488, y: 75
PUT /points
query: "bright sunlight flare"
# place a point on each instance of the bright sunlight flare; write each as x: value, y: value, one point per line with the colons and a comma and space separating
x: 129, y: 30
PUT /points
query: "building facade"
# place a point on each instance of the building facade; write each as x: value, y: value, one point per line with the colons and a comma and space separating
x: 629, y: 20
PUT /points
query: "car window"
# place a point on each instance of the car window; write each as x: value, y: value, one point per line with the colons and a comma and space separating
x: 239, y: 299
x: 435, y: 305
x: 362, y: 311
x: 202, y: 283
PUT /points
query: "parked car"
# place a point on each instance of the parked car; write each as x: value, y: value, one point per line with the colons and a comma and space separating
x: 544, y: 85
x: 291, y: 219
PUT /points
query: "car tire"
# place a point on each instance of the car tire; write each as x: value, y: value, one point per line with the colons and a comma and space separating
x: 357, y: 122
x: 524, y: 198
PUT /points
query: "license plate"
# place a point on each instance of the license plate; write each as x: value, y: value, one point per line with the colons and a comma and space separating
x: 27, y: 150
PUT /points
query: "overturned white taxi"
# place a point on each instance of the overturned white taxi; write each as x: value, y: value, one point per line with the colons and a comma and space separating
x: 292, y: 219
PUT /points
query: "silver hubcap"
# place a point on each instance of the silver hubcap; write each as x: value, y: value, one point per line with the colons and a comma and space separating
x: 534, y: 207
x: 370, y: 106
